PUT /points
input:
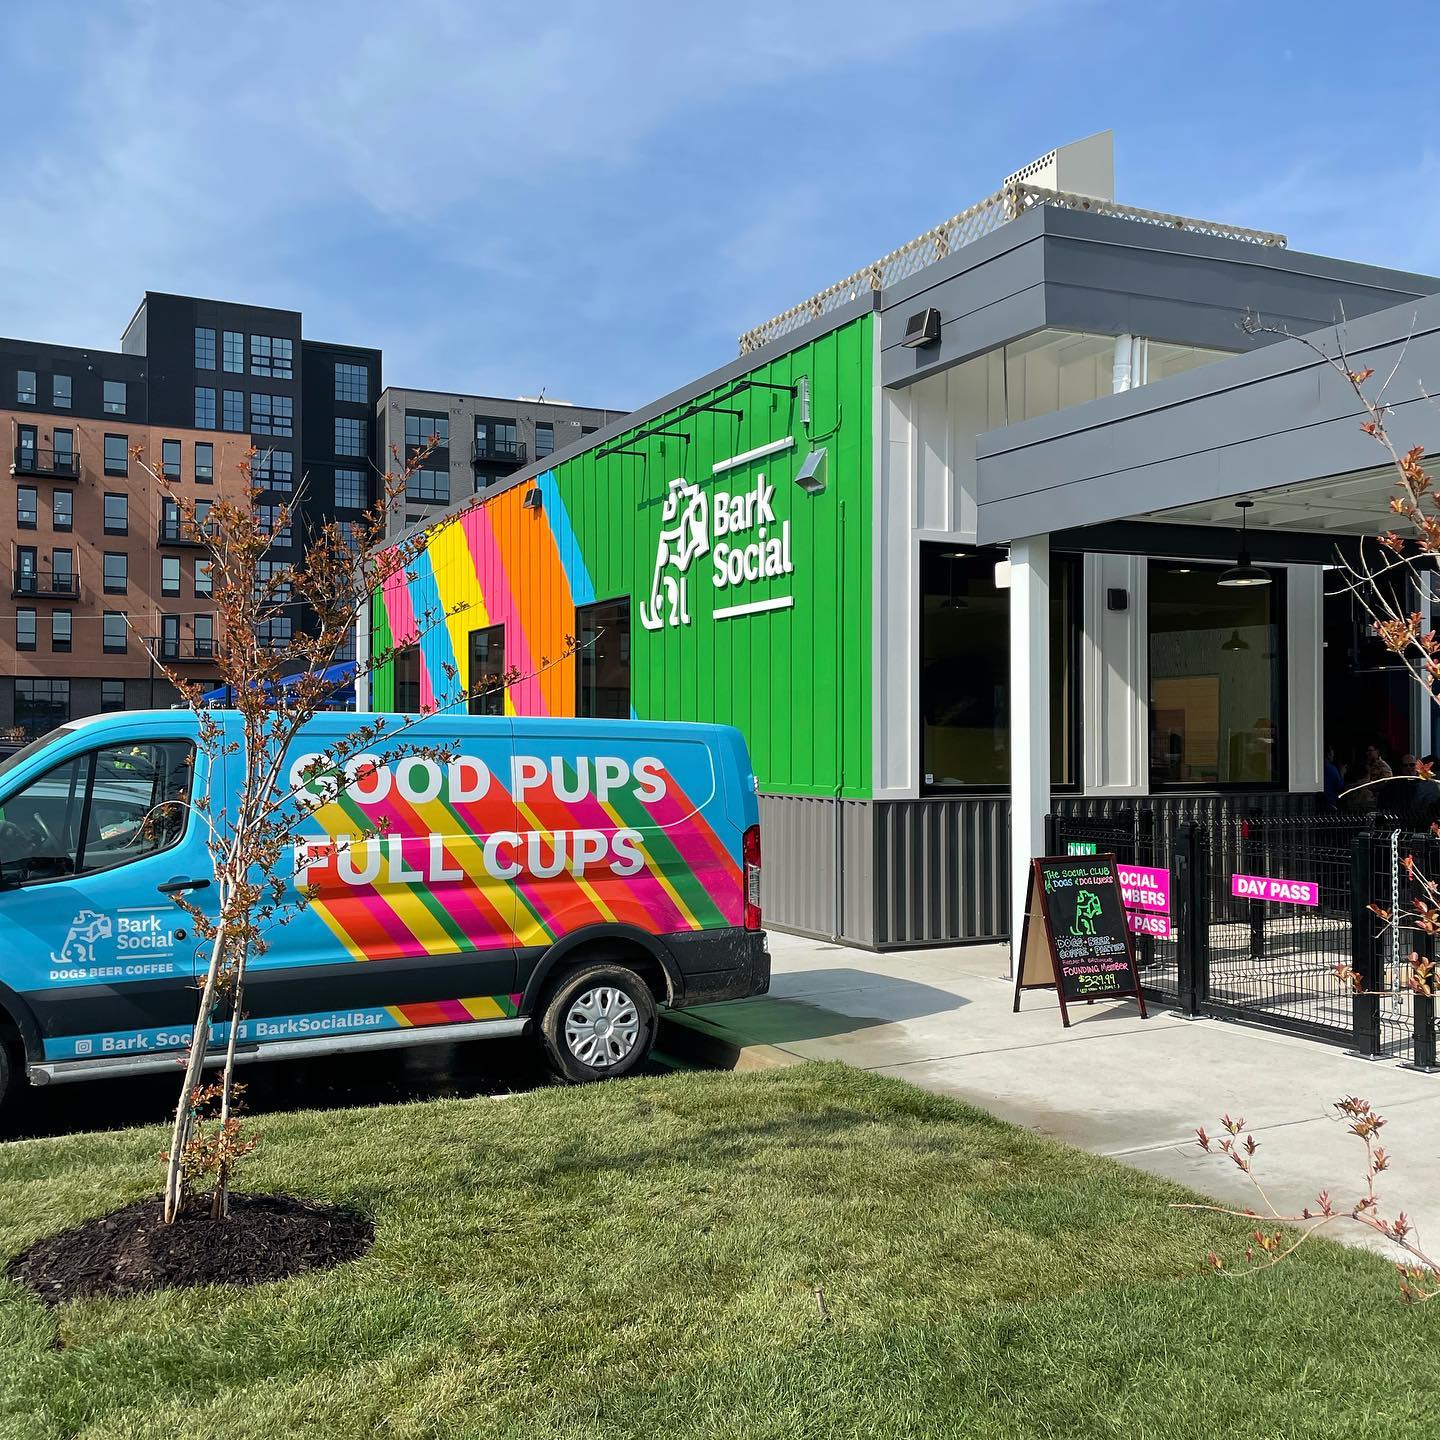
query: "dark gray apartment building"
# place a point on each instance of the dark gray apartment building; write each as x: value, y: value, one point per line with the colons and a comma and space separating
x: 480, y: 440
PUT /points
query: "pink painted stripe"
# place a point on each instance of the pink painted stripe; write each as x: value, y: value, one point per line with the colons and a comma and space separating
x: 711, y: 864
x: 380, y: 912
x: 591, y: 815
x: 459, y: 896
x: 500, y: 603
x: 399, y: 609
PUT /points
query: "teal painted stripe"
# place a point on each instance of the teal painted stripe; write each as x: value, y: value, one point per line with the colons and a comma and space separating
x: 582, y: 588
x: 435, y: 647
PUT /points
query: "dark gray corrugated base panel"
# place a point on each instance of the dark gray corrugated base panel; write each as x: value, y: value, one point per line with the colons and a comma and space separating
x: 942, y: 870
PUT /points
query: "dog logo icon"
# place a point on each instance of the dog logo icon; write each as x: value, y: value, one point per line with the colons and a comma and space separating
x: 79, y: 947
x: 684, y: 536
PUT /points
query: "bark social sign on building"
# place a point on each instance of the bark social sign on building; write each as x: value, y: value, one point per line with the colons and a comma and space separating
x: 1145, y: 892
x: 738, y: 530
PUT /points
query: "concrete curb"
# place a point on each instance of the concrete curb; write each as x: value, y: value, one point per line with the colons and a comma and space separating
x: 698, y: 1041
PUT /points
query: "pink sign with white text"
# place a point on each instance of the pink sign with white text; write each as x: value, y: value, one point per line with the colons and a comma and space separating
x: 1275, y: 890
x: 1145, y: 893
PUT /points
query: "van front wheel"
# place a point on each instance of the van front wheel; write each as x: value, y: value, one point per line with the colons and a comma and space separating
x: 598, y: 1023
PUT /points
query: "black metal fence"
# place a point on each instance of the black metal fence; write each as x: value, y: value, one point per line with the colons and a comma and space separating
x: 1263, y: 914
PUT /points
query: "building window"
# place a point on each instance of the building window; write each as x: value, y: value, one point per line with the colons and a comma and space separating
x: 114, y: 397
x: 274, y: 633
x: 487, y: 667
x: 62, y: 571
x: 117, y: 455
x: 588, y: 429
x: 349, y: 489
x: 204, y: 347
x: 26, y: 563
x: 204, y: 463
x: 116, y: 633
x: 60, y: 622
x: 274, y: 470
x: 41, y: 705
x: 496, y: 439
x: 965, y: 669
x: 204, y: 637
x: 60, y: 392
x: 117, y: 514
x: 232, y: 410
x: 203, y: 583
x: 63, y: 442
x: 62, y: 510
x: 421, y: 426
x: 349, y: 436
x: 268, y: 518
x: 272, y: 355
x: 117, y: 572
x: 345, y: 650
x: 112, y: 696
x: 272, y: 415
x: 430, y: 487
x: 169, y: 574
x: 1217, y: 658
x: 277, y: 570
x: 352, y: 383
x: 204, y: 407
x: 544, y: 439
x: 27, y: 499
x: 24, y: 629
x: 26, y: 390
x: 407, y: 680
x: 233, y: 352
x: 170, y: 459
x: 602, y: 659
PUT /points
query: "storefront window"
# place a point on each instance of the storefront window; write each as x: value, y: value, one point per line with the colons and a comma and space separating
x: 965, y: 669
x: 407, y: 680
x: 1216, y: 667
x: 602, y: 659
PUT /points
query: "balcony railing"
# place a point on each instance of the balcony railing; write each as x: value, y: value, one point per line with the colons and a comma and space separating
x: 181, y: 532
x: 188, y: 651
x: 45, y: 584
x: 498, y: 452
x: 29, y: 460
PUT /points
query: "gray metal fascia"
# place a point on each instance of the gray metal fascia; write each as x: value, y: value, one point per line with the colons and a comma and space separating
x: 1276, y: 417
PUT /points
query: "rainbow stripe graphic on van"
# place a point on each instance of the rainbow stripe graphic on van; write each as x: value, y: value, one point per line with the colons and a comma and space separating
x: 445, y: 876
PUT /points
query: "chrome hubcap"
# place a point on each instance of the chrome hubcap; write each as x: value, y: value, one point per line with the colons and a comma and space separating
x: 602, y: 1027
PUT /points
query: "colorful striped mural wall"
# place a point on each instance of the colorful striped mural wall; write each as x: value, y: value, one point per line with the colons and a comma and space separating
x: 795, y: 678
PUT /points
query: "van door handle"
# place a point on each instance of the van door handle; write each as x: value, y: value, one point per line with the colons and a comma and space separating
x: 180, y: 885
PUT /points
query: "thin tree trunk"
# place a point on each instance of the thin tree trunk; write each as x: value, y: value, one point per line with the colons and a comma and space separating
x: 220, y: 1201
x: 194, y: 1069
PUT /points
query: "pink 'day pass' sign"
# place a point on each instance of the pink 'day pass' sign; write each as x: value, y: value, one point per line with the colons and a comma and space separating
x: 1268, y: 887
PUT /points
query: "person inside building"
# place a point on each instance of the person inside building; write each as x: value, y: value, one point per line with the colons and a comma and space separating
x: 1334, y: 779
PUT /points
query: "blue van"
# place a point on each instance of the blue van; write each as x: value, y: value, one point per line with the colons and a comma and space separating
x: 562, y: 877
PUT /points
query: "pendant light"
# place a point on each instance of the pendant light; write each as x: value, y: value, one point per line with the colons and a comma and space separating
x: 1242, y: 572
x: 1236, y: 641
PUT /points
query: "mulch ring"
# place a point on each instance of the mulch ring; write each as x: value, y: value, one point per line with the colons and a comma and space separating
x: 132, y: 1251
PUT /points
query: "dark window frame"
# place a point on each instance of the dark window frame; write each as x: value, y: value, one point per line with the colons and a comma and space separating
x: 625, y: 655
x: 27, y: 612
x: 118, y: 406
x: 106, y: 645
x: 493, y: 701
x: 33, y: 523
x: 122, y: 586
x: 122, y: 527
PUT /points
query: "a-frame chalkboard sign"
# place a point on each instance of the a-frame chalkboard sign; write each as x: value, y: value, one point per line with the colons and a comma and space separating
x: 1076, y: 937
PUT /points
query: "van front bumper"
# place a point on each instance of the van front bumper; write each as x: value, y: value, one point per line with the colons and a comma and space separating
x: 720, y: 965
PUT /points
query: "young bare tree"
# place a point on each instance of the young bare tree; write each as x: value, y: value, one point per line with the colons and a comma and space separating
x: 283, y: 629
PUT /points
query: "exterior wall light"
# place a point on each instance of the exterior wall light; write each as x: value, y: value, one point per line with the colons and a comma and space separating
x: 811, y: 475
x: 1242, y: 572
x: 922, y: 329
x: 534, y: 498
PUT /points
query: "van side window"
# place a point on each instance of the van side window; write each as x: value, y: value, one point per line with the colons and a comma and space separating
x: 40, y: 827
x: 97, y: 811
x: 137, y: 802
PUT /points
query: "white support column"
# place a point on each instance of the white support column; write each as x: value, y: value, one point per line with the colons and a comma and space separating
x: 1029, y: 717
x: 362, y: 656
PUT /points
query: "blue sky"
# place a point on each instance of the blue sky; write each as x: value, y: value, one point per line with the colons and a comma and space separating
x: 596, y: 199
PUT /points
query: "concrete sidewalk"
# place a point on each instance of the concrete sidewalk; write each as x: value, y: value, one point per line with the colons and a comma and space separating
x: 1113, y: 1083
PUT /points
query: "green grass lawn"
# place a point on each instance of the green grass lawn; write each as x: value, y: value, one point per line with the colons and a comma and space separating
x: 639, y: 1259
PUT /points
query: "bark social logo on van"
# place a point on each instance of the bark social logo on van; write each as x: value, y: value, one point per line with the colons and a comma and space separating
x: 79, y: 947
x: 740, y: 533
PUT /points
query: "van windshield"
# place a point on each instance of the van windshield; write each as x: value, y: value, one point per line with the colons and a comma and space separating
x: 34, y: 748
